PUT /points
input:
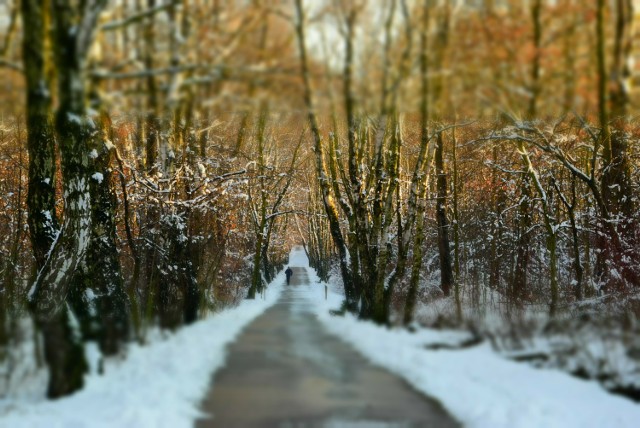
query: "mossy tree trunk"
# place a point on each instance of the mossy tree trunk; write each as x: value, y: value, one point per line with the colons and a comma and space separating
x: 64, y: 352
x: 42, y: 219
x: 43, y: 223
x: 351, y: 292
x: 444, y: 250
x: 417, y: 202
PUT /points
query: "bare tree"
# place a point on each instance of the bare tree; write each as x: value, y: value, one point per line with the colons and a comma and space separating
x: 613, y: 100
x: 267, y: 195
x: 351, y: 291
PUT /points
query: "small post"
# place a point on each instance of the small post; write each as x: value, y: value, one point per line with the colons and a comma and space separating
x: 326, y: 288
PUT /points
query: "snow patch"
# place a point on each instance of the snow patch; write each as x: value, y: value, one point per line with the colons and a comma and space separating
x: 98, y: 177
x: 477, y: 386
x: 158, y: 385
x: 74, y: 118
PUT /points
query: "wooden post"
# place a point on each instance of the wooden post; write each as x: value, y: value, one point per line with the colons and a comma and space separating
x: 326, y: 289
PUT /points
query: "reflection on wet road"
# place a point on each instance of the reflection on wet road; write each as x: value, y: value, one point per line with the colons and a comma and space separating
x: 284, y: 370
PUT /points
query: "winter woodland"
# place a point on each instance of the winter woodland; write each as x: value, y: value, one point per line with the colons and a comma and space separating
x: 466, y: 173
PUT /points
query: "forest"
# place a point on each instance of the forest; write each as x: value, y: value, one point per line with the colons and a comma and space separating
x: 160, y: 158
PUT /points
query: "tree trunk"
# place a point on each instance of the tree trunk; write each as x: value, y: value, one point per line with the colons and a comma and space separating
x: 570, y: 55
x: 446, y: 271
x: 256, y: 277
x: 521, y: 272
x: 63, y: 352
x: 417, y: 202
x: 497, y: 206
x: 613, y: 95
x: 550, y: 224
x: 575, y: 240
x: 104, y: 276
x: 536, y: 69
x: 259, y: 212
x: 616, y: 180
x: 43, y: 223
x: 152, y: 120
x: 456, y: 227
x: 352, y: 293
x: 416, y: 266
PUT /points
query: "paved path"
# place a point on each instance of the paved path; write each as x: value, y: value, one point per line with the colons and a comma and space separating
x: 284, y: 370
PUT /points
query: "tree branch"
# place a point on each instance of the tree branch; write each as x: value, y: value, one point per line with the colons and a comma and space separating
x: 135, y: 18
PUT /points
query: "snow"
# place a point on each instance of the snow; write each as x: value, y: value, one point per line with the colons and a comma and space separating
x: 98, y: 177
x: 161, y: 384
x: 476, y: 385
x: 158, y: 385
x: 74, y: 118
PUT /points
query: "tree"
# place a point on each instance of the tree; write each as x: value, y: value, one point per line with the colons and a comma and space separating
x: 613, y: 100
x: 446, y: 268
x: 64, y: 352
x: 351, y: 288
x: 272, y: 188
x: 43, y: 222
x: 551, y: 226
x: 97, y: 295
x: 616, y: 178
x: 417, y: 204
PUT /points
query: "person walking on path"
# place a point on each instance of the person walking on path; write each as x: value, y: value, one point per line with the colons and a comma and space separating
x: 288, y: 272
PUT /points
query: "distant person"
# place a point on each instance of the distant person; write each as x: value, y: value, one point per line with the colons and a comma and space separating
x: 288, y: 272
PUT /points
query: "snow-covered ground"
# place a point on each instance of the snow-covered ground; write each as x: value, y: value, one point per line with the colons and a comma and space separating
x: 161, y: 384
x: 158, y: 385
x: 477, y: 386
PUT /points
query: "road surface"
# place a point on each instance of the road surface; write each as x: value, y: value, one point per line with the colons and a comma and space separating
x: 285, y: 370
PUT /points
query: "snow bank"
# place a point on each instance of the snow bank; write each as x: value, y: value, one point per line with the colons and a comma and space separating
x: 162, y: 384
x: 158, y: 385
x: 477, y: 386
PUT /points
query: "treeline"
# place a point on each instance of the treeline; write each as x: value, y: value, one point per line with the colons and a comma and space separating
x: 138, y: 219
x: 538, y: 205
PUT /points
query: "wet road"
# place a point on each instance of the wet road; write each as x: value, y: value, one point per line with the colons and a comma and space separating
x: 284, y: 370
